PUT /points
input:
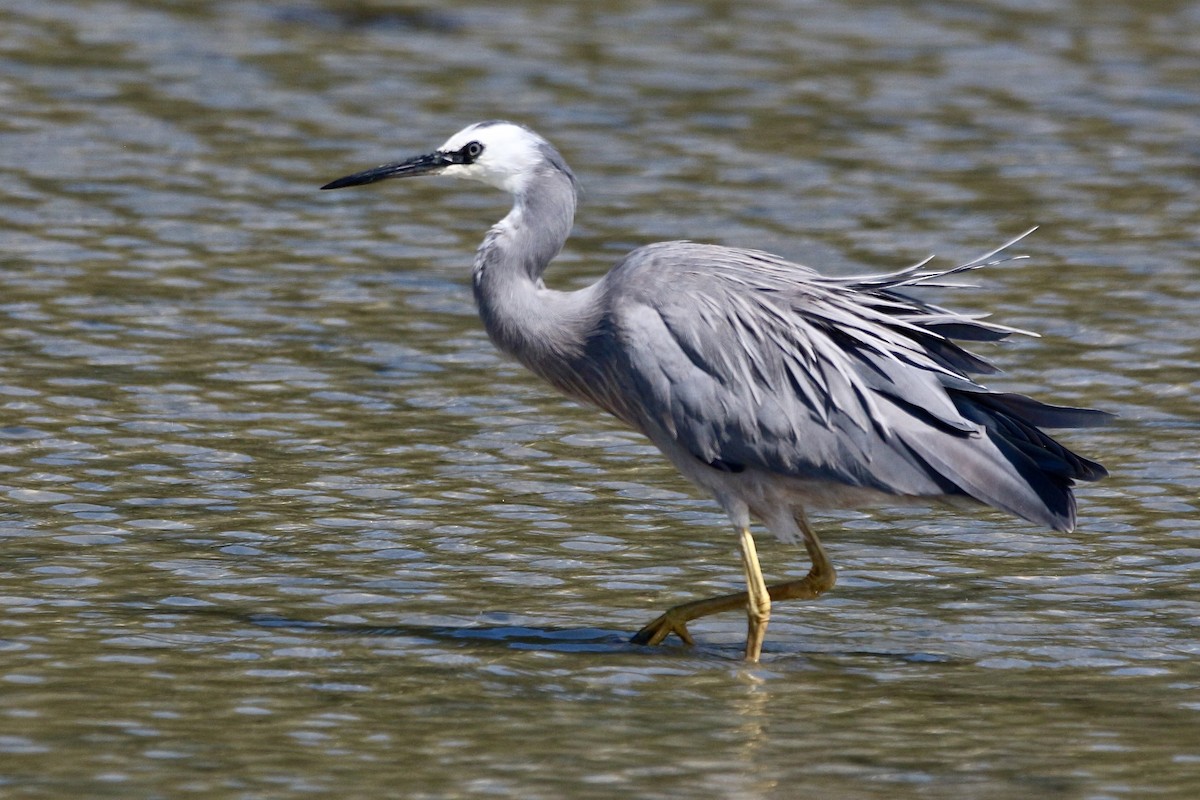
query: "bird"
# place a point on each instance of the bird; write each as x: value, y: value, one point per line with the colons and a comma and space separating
x: 770, y: 386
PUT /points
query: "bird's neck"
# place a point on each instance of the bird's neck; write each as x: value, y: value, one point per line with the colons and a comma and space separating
x: 524, y: 243
x: 509, y: 264
x: 544, y: 329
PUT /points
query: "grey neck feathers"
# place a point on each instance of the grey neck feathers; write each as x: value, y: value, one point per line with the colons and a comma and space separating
x: 533, y: 233
x: 544, y: 329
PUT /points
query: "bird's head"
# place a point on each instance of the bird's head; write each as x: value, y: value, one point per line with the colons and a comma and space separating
x: 500, y: 154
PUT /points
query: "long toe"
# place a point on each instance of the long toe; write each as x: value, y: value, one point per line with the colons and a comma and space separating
x: 661, y: 628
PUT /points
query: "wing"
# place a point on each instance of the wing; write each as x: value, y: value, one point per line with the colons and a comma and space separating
x: 748, y: 361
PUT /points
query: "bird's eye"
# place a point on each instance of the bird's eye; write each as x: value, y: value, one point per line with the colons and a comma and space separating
x: 471, y: 151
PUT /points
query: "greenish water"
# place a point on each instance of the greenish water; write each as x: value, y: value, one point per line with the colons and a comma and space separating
x: 276, y: 520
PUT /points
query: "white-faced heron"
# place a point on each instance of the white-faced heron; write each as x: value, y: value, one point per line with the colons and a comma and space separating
x: 774, y: 388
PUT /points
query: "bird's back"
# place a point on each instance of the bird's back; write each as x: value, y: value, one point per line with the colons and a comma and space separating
x: 750, y: 363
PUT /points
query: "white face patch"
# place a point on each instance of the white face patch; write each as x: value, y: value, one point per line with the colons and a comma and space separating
x: 510, y: 154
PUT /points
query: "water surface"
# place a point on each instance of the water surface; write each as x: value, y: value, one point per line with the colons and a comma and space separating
x: 278, y: 522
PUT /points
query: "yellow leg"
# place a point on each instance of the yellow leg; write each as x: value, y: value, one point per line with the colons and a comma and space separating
x: 820, y: 578
x: 758, y: 601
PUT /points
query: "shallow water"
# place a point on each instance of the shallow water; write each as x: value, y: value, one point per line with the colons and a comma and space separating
x: 278, y: 521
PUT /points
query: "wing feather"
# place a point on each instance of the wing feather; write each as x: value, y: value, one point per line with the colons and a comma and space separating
x: 764, y: 364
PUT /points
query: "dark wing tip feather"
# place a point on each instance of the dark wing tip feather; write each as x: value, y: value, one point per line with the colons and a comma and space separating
x: 1056, y: 507
x: 1045, y: 415
x: 1018, y: 420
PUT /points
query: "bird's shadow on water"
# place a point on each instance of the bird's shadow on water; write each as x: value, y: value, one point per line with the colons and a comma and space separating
x: 583, y: 640
x: 577, y: 640
x: 512, y: 637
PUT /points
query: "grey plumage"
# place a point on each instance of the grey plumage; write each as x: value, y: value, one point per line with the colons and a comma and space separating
x: 774, y: 387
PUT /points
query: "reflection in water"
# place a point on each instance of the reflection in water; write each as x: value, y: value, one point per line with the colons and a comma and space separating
x: 751, y: 710
x: 278, y: 522
x: 564, y: 640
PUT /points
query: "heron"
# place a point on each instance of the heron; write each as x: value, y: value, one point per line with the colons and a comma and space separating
x: 774, y: 388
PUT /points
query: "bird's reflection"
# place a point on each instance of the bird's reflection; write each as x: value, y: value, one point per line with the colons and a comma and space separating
x: 515, y: 637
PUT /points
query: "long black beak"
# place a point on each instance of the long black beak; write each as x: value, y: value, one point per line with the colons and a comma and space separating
x: 421, y: 165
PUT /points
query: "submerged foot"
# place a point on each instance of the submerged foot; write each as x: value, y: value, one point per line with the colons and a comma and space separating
x: 661, y: 628
x: 676, y: 618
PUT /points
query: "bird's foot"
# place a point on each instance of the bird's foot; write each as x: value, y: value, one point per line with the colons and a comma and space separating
x: 658, y: 630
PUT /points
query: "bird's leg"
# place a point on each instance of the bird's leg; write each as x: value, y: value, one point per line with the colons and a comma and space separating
x: 820, y: 578
x: 758, y: 601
